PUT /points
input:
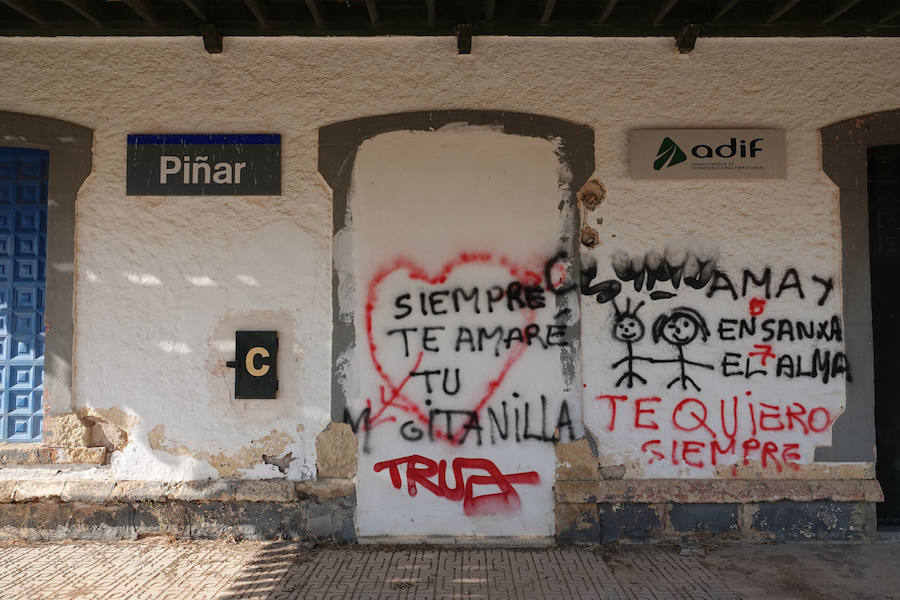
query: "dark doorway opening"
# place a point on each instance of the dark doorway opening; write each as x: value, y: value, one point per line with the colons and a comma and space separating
x: 884, y: 248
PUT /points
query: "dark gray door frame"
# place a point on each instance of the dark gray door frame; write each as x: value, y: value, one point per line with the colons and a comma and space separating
x: 71, y: 151
x: 844, y: 149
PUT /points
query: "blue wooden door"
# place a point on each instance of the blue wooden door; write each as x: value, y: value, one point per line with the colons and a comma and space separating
x: 23, y: 251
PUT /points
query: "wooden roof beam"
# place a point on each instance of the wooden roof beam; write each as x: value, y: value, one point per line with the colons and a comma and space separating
x: 372, y: 7
x: 549, y: 5
x: 783, y: 7
x: 607, y: 9
x: 662, y: 9
x: 88, y: 9
x: 315, y: 9
x: 489, y: 7
x: 199, y: 7
x: 840, y: 9
x: 259, y: 10
x: 891, y: 13
x: 29, y: 8
x: 723, y: 10
x: 145, y: 9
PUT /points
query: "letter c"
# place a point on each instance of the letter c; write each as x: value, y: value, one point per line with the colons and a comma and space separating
x: 250, y: 360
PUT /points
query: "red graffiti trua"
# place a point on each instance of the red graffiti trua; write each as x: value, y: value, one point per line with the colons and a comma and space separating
x: 422, y: 471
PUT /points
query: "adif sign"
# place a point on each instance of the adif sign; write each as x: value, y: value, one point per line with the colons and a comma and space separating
x: 204, y: 164
x: 707, y: 154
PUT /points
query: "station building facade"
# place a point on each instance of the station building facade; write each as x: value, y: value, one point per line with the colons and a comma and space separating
x: 489, y: 326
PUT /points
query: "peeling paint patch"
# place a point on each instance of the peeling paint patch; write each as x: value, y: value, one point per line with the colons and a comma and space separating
x: 227, y: 464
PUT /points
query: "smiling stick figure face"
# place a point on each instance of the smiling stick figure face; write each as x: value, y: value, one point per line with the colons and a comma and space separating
x: 680, y: 327
x: 680, y: 330
x: 628, y: 329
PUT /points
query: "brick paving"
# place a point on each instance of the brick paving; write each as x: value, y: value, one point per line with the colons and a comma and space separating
x: 201, y: 570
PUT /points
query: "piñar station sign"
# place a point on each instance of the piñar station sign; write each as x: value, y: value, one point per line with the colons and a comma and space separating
x: 207, y: 164
x: 708, y: 154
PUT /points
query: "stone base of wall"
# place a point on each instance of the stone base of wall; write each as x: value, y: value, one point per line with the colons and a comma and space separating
x: 679, y: 510
x: 324, y: 509
x: 230, y: 509
x: 780, y: 521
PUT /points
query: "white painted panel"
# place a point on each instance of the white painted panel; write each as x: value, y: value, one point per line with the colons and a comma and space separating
x: 463, y: 210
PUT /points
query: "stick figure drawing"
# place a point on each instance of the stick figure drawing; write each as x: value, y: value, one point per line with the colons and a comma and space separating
x: 628, y: 328
x: 680, y: 327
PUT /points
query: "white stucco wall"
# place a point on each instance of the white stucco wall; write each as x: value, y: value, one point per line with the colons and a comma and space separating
x: 162, y: 283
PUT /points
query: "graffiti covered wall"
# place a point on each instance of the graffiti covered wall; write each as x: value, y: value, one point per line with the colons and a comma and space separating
x: 163, y: 283
x: 464, y: 370
x: 464, y: 360
x: 701, y: 367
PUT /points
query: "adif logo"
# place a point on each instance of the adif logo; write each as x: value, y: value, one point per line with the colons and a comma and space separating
x: 670, y: 153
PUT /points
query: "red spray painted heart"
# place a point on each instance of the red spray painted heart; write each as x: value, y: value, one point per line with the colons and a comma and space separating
x: 391, y: 393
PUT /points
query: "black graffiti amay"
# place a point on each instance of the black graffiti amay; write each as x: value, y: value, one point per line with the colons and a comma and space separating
x: 697, y: 273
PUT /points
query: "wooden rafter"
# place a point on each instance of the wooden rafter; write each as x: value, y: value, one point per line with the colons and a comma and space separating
x: 547, y: 13
x: 723, y: 10
x: 372, y: 7
x: 200, y: 8
x: 315, y: 9
x: 607, y: 9
x: 29, y: 8
x: 840, y: 9
x: 89, y: 9
x: 662, y: 9
x: 259, y: 10
x: 145, y: 9
x: 783, y: 7
x: 845, y: 18
x: 890, y: 13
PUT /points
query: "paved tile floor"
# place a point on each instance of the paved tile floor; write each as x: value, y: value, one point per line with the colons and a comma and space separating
x: 200, y: 570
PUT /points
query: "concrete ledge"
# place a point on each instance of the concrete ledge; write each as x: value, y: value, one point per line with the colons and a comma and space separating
x: 714, y: 491
x: 326, y: 488
x: 51, y: 455
x: 40, y: 521
x: 255, y: 509
x: 215, y: 490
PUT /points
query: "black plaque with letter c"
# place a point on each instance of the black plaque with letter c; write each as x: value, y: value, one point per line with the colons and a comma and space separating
x: 256, y: 354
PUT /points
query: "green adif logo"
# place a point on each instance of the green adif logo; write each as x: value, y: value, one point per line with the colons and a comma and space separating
x: 670, y: 153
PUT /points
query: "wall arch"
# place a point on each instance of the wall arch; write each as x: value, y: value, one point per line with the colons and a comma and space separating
x: 844, y: 148
x: 70, y: 148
